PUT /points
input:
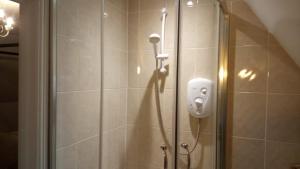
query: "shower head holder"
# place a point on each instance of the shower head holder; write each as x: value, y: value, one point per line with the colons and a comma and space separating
x: 162, y: 56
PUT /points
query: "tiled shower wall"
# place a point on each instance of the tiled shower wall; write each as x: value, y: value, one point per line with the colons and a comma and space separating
x: 265, y: 110
x: 138, y: 112
x: 115, y: 74
x: 151, y: 98
x: 78, y: 84
x: 131, y: 130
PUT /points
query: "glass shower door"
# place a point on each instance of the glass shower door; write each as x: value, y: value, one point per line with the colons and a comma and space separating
x: 121, y: 78
x: 198, y: 64
x: 138, y: 99
x: 75, y: 127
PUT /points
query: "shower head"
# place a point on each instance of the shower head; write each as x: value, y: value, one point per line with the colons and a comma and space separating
x: 154, y: 38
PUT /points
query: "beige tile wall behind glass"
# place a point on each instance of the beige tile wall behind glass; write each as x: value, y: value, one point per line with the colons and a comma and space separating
x: 265, y: 111
x: 132, y: 130
x: 78, y: 83
x: 151, y: 98
x: 115, y: 67
x: 198, y: 59
x: 133, y: 119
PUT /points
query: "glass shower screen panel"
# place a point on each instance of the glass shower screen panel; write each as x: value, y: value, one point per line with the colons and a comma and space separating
x: 115, y: 81
x: 198, y: 82
x: 138, y: 83
x: 76, y: 31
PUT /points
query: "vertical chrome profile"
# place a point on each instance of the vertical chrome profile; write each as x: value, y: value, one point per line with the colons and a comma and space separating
x: 53, y: 86
x: 222, y: 87
x: 101, y: 81
x: 176, y: 85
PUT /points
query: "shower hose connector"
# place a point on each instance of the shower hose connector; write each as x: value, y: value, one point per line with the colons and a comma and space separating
x: 164, y: 149
x: 188, y: 154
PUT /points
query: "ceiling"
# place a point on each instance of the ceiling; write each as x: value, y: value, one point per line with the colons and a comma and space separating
x: 282, y: 18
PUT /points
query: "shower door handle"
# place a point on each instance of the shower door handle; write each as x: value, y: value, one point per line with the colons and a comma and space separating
x: 164, y: 149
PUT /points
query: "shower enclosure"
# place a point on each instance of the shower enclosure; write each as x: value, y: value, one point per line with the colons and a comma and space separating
x: 138, y: 84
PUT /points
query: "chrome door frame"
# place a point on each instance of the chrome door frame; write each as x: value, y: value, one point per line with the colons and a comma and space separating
x: 222, y: 100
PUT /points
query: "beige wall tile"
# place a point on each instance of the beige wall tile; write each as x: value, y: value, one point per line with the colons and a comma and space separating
x: 143, y: 110
x: 66, y: 158
x: 67, y: 21
x: 88, y: 15
x: 206, y: 63
x: 133, y: 31
x: 68, y: 72
x: 113, y: 115
x: 262, y: 55
x: 198, y: 63
x: 199, y: 26
x: 77, y: 116
x: 203, y: 155
x: 284, y: 118
x: 88, y: 154
x: 113, y: 149
x: 124, y: 70
x: 71, y: 19
x: 133, y: 6
x: 78, y: 102
x: 119, y: 4
x: 89, y: 67
x: 149, y: 22
x: 168, y: 108
x: 249, y: 115
x: 134, y: 70
x: 146, y: 5
x: 112, y: 68
x: 146, y: 139
x: 247, y: 154
x: 133, y: 107
x: 146, y: 76
x: 284, y: 72
x: 151, y: 142
x: 282, y: 155
x: 187, y: 68
x: 115, y: 68
x: 250, y: 69
x: 78, y: 65
x: 133, y: 145
x: 115, y: 28
x: 148, y: 65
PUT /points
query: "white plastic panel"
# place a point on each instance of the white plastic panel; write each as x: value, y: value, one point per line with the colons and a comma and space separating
x: 200, y: 97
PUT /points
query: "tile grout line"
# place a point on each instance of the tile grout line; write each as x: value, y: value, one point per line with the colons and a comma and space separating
x: 248, y: 138
x: 76, y: 143
x: 78, y: 91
